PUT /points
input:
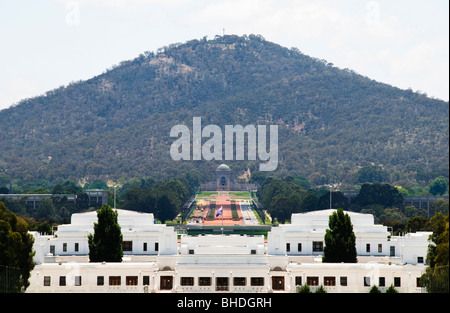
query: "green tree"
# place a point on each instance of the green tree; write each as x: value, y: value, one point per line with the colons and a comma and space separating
x: 340, y: 240
x: 391, y: 289
x: 16, y: 247
x: 436, y: 279
x: 438, y: 186
x: 374, y: 289
x: 106, y: 242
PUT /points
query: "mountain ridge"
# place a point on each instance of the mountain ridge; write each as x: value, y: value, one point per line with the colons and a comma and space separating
x: 117, y: 124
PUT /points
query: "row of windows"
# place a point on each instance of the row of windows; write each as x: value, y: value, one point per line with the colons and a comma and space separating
x: 112, y: 280
x: 318, y: 247
x: 222, y: 281
x: 126, y: 246
x: 331, y: 281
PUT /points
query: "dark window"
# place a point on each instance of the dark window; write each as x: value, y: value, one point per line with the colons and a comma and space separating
x: 114, y: 280
x: 131, y: 280
x: 187, y: 281
x: 329, y: 281
x: 397, y: 282
x: 343, y: 280
x: 239, y: 281
x: 257, y: 281
x: 100, y: 280
x: 312, y: 281
x: 62, y: 280
x: 298, y: 280
x: 127, y: 246
x: 204, y: 281
x: 222, y: 284
x: 317, y: 246
x: 381, y: 282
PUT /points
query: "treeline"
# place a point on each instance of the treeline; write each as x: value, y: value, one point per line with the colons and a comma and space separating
x: 282, y: 197
x: 164, y: 199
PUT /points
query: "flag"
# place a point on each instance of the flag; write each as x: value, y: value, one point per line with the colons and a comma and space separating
x: 219, y: 212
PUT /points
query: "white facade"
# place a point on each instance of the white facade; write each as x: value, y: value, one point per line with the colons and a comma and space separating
x: 305, y: 236
x: 138, y: 229
x: 227, y: 263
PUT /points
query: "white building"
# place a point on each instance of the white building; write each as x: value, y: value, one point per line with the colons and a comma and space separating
x: 158, y: 262
x: 141, y: 236
x: 305, y: 236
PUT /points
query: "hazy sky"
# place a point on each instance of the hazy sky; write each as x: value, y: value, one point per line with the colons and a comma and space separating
x: 48, y: 43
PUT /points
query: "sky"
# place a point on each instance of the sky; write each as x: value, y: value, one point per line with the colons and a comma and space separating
x: 45, y: 44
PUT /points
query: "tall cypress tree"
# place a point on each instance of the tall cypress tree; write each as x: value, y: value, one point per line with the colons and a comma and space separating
x: 340, y: 240
x: 106, y: 242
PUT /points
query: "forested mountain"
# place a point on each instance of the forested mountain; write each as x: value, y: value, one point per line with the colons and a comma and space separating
x: 331, y: 121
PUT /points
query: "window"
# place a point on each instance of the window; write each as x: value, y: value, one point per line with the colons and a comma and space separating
x: 397, y: 282
x: 191, y: 251
x: 312, y: 281
x: 100, y: 280
x: 329, y: 281
x: 187, y: 281
x: 127, y: 245
x: 144, y: 246
x: 257, y: 281
x: 64, y: 247
x: 343, y: 280
x: 420, y: 259
x: 62, y: 280
x: 146, y: 280
x: 204, y: 281
x: 166, y: 282
x: 221, y: 283
x: 239, y: 281
x: 156, y: 246
x: 392, y: 251
x: 114, y: 280
x: 299, y: 247
x: 298, y: 280
x: 317, y: 246
x: 52, y: 249
x: 131, y: 280
x: 381, y: 282
x: 253, y: 251
x: 380, y: 248
x: 47, y: 280
x: 368, y: 247
x: 366, y: 281
x: 77, y: 280
x: 77, y: 246
x: 288, y: 247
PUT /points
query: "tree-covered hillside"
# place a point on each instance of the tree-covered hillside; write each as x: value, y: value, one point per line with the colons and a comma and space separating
x: 332, y: 122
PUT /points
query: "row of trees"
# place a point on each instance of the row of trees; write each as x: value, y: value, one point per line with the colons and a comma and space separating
x: 282, y: 197
x: 164, y: 199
